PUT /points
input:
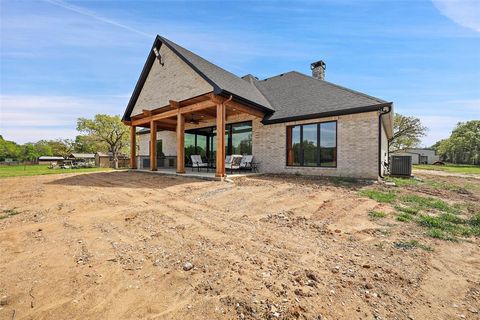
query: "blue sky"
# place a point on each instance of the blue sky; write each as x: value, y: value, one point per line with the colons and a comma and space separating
x: 62, y: 60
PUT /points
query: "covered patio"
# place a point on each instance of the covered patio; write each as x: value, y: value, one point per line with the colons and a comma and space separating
x: 206, y: 107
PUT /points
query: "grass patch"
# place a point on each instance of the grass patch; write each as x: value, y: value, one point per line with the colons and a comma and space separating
x: 377, y: 214
x: 405, y: 217
x: 455, y: 168
x: 379, y: 196
x: 402, y: 182
x: 8, y: 213
x: 34, y: 170
x: 475, y: 220
x: 409, y: 210
x: 411, y: 244
x: 440, y: 234
x: 428, y: 203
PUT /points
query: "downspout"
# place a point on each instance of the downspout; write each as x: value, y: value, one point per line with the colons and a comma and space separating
x: 382, y: 112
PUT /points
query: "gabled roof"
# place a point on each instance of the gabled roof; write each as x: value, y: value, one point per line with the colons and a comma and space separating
x: 223, y: 82
x: 82, y: 155
x: 50, y: 158
x: 286, y: 97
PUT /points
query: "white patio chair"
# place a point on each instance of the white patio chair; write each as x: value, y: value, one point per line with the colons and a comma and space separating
x: 246, y: 163
x: 233, y: 162
x: 197, y: 162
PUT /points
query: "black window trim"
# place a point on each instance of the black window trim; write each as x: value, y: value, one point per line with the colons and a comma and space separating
x: 302, y: 165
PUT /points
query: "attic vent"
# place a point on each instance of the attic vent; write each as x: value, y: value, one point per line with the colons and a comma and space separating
x: 318, y: 69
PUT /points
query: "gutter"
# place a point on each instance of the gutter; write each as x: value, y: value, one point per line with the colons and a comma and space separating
x: 342, y: 112
x: 383, y: 110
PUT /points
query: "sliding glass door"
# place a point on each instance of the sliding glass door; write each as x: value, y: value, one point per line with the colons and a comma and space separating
x: 203, y: 141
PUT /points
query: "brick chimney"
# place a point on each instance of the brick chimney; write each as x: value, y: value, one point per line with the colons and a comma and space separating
x: 318, y: 69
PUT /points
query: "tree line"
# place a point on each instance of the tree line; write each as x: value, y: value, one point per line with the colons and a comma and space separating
x: 463, y: 145
x: 103, y: 133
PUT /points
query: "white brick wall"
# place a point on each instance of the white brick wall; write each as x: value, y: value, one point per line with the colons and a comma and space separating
x: 357, y: 147
x: 175, y: 80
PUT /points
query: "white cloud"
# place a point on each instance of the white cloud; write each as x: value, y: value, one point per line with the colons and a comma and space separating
x: 31, y: 118
x: 463, y: 12
x: 95, y: 16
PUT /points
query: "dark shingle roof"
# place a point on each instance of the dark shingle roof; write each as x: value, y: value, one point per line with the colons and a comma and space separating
x: 285, y: 97
x: 294, y: 94
x: 219, y: 77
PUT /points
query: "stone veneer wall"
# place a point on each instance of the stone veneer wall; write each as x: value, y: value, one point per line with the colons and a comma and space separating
x: 357, y: 145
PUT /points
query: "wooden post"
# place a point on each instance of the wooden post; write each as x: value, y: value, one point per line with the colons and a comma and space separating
x: 220, y: 160
x: 133, y: 147
x: 153, y: 146
x: 180, y: 143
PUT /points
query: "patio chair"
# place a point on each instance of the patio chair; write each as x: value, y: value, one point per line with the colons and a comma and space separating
x: 197, y: 162
x: 233, y: 162
x: 246, y: 163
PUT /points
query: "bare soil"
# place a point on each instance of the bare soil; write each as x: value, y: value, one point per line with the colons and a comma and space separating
x: 113, y: 245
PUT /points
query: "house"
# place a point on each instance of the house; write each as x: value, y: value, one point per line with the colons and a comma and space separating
x: 82, y: 157
x: 290, y: 123
x: 50, y: 159
x: 419, y: 155
x: 105, y: 160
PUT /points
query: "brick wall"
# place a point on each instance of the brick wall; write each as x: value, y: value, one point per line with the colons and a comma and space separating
x: 174, y: 80
x: 357, y: 145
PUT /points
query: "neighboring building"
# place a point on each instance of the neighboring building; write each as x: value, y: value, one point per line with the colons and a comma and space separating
x: 82, y: 156
x: 419, y: 155
x: 290, y: 123
x: 105, y: 160
x: 50, y: 159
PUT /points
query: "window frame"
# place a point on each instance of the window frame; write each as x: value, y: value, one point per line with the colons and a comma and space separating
x: 302, y: 156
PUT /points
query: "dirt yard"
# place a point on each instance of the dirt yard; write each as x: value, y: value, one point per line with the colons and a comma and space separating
x: 114, y: 245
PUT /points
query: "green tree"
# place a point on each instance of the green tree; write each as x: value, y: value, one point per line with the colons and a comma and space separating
x: 88, y: 144
x: 407, y: 131
x: 106, y: 129
x: 42, y: 148
x: 61, y: 147
x: 9, y: 149
x: 463, y: 145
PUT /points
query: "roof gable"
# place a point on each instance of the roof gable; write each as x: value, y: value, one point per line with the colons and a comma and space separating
x: 220, y: 81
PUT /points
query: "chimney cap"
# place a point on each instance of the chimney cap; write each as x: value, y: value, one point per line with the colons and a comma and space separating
x: 317, y: 64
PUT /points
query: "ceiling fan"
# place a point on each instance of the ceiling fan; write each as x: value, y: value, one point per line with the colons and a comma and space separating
x: 194, y: 118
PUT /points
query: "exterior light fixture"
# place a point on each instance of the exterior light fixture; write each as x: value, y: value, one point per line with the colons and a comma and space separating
x: 157, y: 54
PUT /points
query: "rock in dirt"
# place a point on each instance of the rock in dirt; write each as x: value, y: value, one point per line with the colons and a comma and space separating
x: 187, y: 266
x: 3, y: 301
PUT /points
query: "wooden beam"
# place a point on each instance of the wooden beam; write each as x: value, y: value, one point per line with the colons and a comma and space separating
x: 197, y: 106
x: 220, y: 158
x: 153, y: 146
x: 180, y: 143
x: 171, y: 113
x: 235, y: 106
x: 174, y: 104
x: 216, y: 98
x: 146, y: 112
x: 133, y: 147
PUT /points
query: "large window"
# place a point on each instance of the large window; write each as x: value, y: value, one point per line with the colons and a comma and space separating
x: 203, y: 141
x: 312, y: 145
